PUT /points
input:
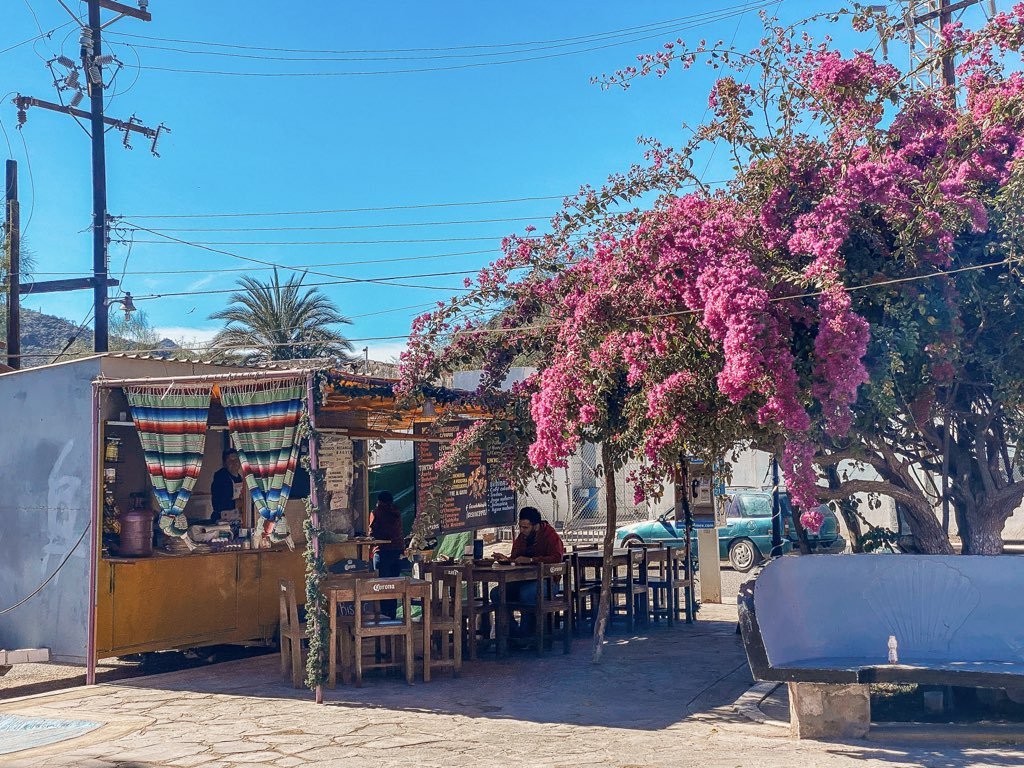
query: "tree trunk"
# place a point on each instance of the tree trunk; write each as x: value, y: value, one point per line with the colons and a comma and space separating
x: 929, y: 538
x: 847, y: 510
x: 981, y: 534
x: 984, y: 539
x: 611, y: 516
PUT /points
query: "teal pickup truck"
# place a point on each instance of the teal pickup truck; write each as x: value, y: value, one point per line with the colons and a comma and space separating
x: 747, y: 538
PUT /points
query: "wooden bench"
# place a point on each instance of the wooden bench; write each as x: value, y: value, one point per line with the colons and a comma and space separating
x: 821, y: 624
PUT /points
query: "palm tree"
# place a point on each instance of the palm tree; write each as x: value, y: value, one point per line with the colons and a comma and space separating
x: 275, y: 321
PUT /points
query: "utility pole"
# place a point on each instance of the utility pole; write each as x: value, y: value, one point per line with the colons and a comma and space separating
x: 93, y: 66
x: 924, y: 22
x: 13, y: 231
x: 93, y: 61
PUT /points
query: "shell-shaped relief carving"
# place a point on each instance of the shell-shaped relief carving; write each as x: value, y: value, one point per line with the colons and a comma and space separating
x: 923, y: 603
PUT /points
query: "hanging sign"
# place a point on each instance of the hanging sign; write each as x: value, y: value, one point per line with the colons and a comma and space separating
x: 476, y: 496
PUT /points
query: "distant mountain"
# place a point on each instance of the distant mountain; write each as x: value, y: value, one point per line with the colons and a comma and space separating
x: 44, y: 336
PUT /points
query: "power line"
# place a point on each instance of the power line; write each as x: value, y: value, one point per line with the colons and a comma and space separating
x: 374, y: 209
x: 356, y: 226
x: 339, y: 279
x: 447, y: 68
x: 36, y: 37
x: 477, y: 46
x: 658, y: 316
x: 411, y: 206
x: 294, y: 267
x: 388, y: 281
x: 488, y: 238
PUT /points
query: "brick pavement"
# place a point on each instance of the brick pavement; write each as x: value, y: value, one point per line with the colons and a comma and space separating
x: 661, y: 698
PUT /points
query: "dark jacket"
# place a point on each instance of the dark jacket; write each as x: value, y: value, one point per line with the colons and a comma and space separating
x: 222, y: 491
x: 386, y: 524
x: 544, y: 546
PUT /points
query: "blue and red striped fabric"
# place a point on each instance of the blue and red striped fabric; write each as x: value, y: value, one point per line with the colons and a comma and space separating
x: 264, y: 423
x: 172, y: 429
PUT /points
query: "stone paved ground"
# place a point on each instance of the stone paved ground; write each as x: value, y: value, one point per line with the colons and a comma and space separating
x: 663, y: 698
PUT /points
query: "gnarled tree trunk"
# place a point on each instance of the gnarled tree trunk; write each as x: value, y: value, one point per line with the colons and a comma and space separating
x: 611, y: 517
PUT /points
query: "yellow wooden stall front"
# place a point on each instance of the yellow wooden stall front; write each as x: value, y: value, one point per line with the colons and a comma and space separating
x: 185, y: 601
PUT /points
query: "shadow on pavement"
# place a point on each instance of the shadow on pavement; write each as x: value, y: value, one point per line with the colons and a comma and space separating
x: 645, y: 681
x: 930, y: 757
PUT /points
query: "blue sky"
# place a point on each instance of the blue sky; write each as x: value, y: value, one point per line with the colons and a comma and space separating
x: 263, y: 144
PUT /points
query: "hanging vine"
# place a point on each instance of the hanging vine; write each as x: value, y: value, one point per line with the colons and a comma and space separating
x: 317, y: 620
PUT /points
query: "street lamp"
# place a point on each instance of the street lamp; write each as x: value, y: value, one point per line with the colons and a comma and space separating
x: 127, y: 305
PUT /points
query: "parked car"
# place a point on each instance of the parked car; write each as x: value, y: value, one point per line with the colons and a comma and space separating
x: 747, y: 537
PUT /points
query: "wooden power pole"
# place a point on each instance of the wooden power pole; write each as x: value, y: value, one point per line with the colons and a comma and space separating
x: 12, y: 224
x: 92, y: 62
x: 93, y: 66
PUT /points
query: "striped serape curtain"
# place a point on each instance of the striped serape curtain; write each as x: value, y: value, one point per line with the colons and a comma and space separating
x: 172, y: 428
x: 263, y: 419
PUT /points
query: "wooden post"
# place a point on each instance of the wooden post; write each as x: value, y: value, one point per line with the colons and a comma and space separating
x: 314, y: 520
x: 13, y: 228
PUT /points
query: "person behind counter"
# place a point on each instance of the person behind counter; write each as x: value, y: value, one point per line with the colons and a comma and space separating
x: 386, y: 525
x: 537, y: 542
x: 226, y: 489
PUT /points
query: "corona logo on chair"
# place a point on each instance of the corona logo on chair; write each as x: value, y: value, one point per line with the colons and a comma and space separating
x: 383, y: 587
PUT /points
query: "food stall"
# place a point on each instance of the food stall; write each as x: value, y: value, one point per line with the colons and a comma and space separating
x: 109, y: 463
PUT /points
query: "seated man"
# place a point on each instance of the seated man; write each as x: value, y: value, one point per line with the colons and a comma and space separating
x: 537, y: 542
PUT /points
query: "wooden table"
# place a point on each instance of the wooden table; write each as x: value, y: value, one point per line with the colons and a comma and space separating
x: 595, y: 557
x: 366, y: 545
x: 503, y: 575
x: 341, y: 588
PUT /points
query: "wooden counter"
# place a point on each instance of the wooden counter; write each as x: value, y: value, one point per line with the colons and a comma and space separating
x: 184, y: 601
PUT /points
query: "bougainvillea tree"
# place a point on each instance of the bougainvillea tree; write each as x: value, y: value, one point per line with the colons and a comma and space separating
x: 853, y: 294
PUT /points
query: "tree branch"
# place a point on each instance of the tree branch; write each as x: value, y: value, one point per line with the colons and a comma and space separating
x: 881, y: 487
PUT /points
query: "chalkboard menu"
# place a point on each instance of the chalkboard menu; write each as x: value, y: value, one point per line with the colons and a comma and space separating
x: 476, y: 497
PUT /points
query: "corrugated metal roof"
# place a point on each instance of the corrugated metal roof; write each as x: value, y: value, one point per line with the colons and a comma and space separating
x: 199, y: 360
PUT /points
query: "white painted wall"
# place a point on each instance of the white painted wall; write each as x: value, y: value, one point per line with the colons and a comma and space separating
x: 45, y: 468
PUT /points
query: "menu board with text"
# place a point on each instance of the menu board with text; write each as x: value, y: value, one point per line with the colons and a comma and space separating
x: 475, y: 496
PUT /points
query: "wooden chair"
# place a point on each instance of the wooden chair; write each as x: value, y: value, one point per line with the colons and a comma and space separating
x: 551, y: 602
x: 293, y: 633
x: 633, y: 587
x: 341, y: 653
x: 586, y: 588
x: 476, y: 602
x: 371, y: 624
x: 446, y: 623
x: 664, y: 583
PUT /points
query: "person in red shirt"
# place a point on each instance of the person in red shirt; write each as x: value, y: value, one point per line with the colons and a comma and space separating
x: 386, y: 525
x: 537, y: 542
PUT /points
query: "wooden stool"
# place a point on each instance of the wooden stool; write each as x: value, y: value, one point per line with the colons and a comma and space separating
x: 634, y: 588
x: 293, y: 633
x: 586, y: 590
x: 474, y: 606
x: 550, y: 604
x: 445, y: 621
